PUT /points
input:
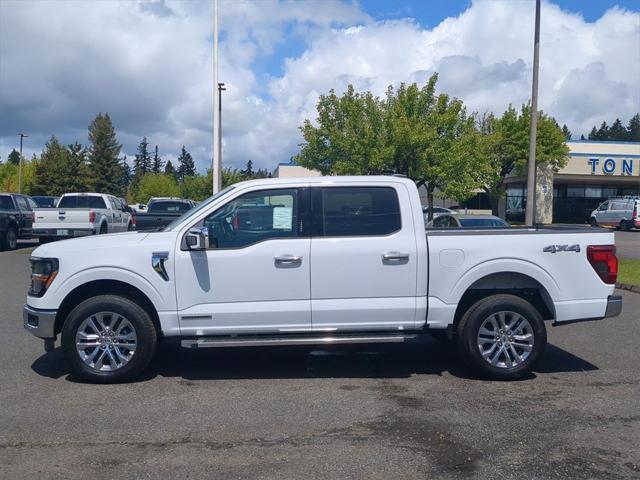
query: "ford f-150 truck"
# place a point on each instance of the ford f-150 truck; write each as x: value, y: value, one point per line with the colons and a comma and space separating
x: 80, y: 214
x: 316, y: 261
x: 161, y: 211
x: 16, y: 218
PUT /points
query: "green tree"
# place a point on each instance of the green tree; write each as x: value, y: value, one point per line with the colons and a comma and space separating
x: 430, y: 139
x: 156, y: 164
x: 142, y: 161
x: 104, y: 152
x: 60, y: 169
x: 170, y: 170
x: 633, y: 128
x: 197, y: 187
x: 229, y: 176
x: 186, y: 167
x: 566, y: 132
x: 505, y: 145
x: 349, y: 138
x: 14, y: 157
x: 155, y: 185
x: 248, y: 171
x: 617, y: 132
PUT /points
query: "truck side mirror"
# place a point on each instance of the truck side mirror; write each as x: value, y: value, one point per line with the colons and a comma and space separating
x: 197, y: 239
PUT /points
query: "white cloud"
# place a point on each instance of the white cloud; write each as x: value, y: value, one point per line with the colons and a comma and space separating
x: 149, y: 64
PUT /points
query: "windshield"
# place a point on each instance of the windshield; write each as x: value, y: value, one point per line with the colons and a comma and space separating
x: 196, y: 209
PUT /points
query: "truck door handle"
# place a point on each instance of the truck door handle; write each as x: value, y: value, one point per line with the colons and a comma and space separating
x: 395, y: 257
x: 288, y: 260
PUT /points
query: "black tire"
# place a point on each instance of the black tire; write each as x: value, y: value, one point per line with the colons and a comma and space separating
x: 624, y: 226
x: 43, y: 240
x: 140, y: 320
x: 593, y: 222
x: 469, y: 327
x: 103, y: 229
x: 9, y: 241
x: 130, y: 227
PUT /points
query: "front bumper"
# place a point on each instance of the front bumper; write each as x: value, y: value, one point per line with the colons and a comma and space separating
x: 614, y: 306
x: 40, y: 323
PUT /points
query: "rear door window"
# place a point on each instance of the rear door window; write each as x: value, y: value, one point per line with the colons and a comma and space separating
x: 22, y: 204
x: 356, y: 211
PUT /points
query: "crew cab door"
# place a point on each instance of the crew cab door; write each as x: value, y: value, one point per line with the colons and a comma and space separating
x: 25, y: 220
x: 255, y: 277
x: 363, y: 258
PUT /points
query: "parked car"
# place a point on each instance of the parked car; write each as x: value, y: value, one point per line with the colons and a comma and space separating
x: 161, y: 211
x: 81, y: 214
x: 468, y: 221
x: 43, y: 201
x: 323, y: 260
x: 16, y: 219
x: 437, y: 211
x: 620, y: 212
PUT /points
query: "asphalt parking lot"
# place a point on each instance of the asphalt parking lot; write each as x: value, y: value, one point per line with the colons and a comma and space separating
x: 628, y: 244
x: 367, y: 412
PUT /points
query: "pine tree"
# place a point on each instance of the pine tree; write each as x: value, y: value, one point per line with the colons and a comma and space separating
x: 566, y: 132
x: 103, y: 155
x: 593, y: 135
x: 142, y: 163
x: 14, y: 157
x: 77, y: 173
x: 61, y: 169
x: 169, y: 169
x: 633, y: 128
x: 125, y: 178
x: 582, y: 137
x: 156, y: 164
x: 617, y: 132
x: 248, y: 172
x: 603, y: 132
x: 186, y: 167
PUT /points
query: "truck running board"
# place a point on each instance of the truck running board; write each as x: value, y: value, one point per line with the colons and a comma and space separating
x: 261, y: 341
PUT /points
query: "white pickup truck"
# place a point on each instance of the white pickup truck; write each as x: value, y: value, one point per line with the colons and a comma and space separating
x: 81, y: 214
x: 316, y: 261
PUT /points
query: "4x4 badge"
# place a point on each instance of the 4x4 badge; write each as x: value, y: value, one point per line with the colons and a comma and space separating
x: 561, y: 248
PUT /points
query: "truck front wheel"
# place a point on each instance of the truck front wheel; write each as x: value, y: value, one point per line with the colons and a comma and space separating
x: 501, y: 337
x: 108, y: 339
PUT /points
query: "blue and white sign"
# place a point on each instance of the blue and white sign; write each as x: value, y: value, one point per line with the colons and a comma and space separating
x: 614, y: 166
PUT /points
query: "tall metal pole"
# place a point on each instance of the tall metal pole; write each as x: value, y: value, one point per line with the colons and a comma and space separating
x: 530, y: 213
x: 220, y: 90
x: 22, y: 135
x: 217, y: 171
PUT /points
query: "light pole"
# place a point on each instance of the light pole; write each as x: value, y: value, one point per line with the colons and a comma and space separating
x: 216, y: 170
x: 220, y: 90
x: 22, y: 135
x: 530, y: 212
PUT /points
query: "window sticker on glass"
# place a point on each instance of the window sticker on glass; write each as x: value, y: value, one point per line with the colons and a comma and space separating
x: 282, y: 218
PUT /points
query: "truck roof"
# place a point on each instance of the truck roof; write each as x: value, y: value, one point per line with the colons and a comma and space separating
x: 329, y: 180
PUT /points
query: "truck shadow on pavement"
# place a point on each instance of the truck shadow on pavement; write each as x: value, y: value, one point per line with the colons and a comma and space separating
x: 426, y: 357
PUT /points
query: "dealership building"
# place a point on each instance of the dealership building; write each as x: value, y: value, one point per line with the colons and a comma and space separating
x: 594, y: 172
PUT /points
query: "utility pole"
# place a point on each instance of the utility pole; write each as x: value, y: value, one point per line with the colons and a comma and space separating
x: 220, y: 90
x: 530, y: 213
x: 22, y: 135
x: 216, y: 170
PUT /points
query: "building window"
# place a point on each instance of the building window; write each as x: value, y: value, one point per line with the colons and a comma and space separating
x: 575, y: 191
x: 593, y: 191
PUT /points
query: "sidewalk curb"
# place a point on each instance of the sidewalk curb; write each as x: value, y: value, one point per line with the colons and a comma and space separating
x: 628, y: 287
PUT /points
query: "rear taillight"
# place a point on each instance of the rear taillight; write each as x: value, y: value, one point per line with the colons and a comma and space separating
x: 635, y: 213
x: 134, y: 220
x: 604, y: 261
x: 92, y: 216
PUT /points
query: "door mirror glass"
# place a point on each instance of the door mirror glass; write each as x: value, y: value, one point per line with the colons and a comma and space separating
x: 197, y: 239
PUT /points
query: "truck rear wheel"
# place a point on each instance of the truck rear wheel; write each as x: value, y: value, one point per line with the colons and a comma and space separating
x: 501, y: 337
x: 108, y: 339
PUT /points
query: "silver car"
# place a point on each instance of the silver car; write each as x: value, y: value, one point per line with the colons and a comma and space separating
x: 467, y: 221
x: 622, y: 213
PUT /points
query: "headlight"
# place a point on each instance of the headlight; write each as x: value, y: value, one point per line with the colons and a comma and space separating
x: 43, y: 272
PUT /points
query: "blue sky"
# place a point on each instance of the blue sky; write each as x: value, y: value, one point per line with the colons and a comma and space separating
x: 149, y: 64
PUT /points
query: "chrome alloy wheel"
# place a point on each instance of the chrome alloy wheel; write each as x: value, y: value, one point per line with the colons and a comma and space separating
x: 505, y: 339
x: 106, y: 341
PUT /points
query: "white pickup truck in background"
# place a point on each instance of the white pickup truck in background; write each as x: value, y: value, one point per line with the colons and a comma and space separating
x: 81, y: 214
x: 316, y: 261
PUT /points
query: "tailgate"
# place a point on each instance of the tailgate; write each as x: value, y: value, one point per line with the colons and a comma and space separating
x: 63, y: 218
